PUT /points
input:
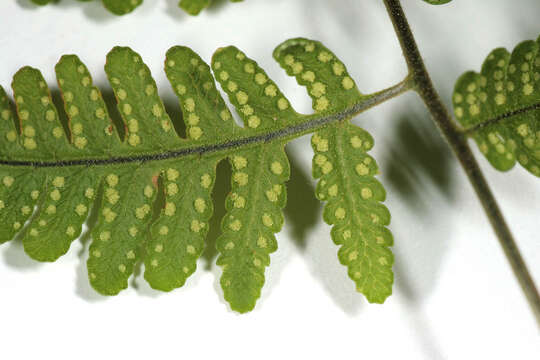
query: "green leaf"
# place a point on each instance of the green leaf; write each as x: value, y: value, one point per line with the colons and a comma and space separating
x: 499, y: 108
x: 89, y: 118
x: 437, y: 2
x: 138, y: 102
x: 42, y: 2
x: 122, y: 7
x: 119, y: 235
x: 118, y: 7
x: 63, y: 210
x: 20, y: 188
x: 42, y: 139
x: 152, y: 190
x: 346, y: 172
x: 254, y: 206
x: 194, y: 7
x: 177, y: 242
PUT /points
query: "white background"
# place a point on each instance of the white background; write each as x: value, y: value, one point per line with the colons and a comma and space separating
x: 454, y: 294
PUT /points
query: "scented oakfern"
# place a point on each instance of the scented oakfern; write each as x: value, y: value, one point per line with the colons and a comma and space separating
x: 192, y: 7
x: 65, y: 170
x: 122, y: 7
x: 437, y: 2
x: 499, y: 107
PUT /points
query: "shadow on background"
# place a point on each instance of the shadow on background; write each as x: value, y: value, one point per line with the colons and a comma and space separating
x: 303, y: 215
x: 174, y: 11
x: 216, y: 5
x: 110, y: 102
x: 418, y: 155
x: 347, y: 14
x: 59, y: 104
x: 14, y: 255
x: 419, y: 169
x: 27, y: 4
x: 302, y: 212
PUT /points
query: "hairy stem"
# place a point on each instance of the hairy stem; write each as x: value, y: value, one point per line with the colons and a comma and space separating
x: 458, y: 143
x: 314, y: 123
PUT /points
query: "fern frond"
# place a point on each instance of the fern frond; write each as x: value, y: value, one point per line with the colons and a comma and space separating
x: 122, y: 7
x: 194, y: 7
x: 347, y: 184
x: 64, y: 170
x: 257, y: 189
x: 500, y: 107
x: 437, y: 2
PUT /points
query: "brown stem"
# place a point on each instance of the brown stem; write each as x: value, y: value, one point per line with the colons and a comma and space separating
x: 458, y: 143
